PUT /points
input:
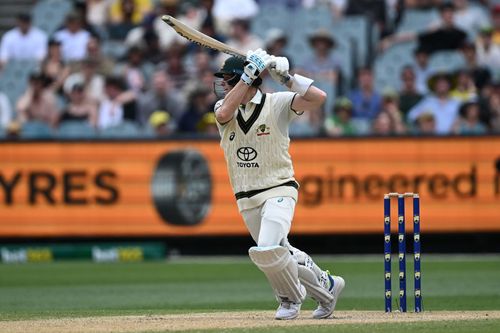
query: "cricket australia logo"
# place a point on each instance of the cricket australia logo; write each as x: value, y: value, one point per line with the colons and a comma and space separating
x: 263, y: 130
x: 246, y: 155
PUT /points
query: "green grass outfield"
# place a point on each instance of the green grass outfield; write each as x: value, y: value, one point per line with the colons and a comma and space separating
x: 55, y: 290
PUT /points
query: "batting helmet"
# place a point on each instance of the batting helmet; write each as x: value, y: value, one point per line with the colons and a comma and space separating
x: 234, y: 66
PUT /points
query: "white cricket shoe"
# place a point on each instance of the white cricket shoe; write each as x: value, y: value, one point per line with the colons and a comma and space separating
x: 325, y: 310
x: 288, y: 310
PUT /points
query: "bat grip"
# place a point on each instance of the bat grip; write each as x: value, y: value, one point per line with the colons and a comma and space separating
x: 288, y: 77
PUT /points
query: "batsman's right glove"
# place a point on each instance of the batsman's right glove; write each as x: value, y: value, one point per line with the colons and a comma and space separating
x: 279, y: 69
x: 257, y: 61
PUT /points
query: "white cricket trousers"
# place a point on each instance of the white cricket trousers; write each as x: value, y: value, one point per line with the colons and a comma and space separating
x: 269, y: 224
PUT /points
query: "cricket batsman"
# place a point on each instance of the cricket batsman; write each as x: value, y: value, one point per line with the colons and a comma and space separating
x: 254, y: 136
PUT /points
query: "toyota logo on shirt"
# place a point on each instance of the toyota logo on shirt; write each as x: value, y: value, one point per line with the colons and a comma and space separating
x: 247, y: 154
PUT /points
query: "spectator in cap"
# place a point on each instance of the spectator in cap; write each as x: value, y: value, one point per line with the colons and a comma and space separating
x: 13, y: 130
x: 323, y: 65
x: 340, y: 122
x: 425, y: 124
x: 488, y: 53
x: 275, y: 43
x: 207, y: 125
x: 24, y: 42
x: 73, y: 38
x: 439, y: 103
x: 38, y: 103
x: 161, y: 95
x: 465, y: 89
x: 53, y: 66
x: 408, y: 95
x: 469, y: 121
x: 160, y: 122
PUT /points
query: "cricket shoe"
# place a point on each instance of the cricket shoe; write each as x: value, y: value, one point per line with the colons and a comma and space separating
x: 325, y: 310
x: 288, y: 310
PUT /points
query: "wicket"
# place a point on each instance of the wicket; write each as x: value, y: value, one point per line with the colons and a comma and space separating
x: 402, y: 250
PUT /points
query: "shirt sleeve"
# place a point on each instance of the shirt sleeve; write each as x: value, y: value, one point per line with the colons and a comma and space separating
x: 282, y: 109
x: 220, y: 126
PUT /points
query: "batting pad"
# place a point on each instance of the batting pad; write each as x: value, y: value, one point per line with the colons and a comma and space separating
x: 312, y: 285
x: 281, y: 270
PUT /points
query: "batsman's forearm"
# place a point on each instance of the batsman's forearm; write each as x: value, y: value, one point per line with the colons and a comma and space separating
x: 231, y: 102
x: 315, y: 95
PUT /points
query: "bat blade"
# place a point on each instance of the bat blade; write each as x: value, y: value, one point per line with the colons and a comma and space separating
x: 200, y: 38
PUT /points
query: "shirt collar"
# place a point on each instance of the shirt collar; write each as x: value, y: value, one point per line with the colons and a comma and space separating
x: 257, y: 98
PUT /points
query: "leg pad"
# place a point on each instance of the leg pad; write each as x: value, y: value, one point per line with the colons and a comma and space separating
x: 281, y: 269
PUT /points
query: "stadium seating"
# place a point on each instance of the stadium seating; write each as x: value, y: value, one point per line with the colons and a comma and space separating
x: 73, y: 129
x: 354, y: 29
x: 114, y: 49
x: 330, y: 89
x: 446, y: 61
x: 36, y: 130
x: 14, y: 78
x: 127, y: 129
x: 49, y: 15
x: 388, y: 65
x: 267, y: 19
x: 417, y: 20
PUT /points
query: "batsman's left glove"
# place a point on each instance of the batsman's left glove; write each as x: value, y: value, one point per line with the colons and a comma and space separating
x: 257, y: 61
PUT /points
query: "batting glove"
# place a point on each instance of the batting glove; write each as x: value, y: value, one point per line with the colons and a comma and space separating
x: 256, y: 62
x: 279, y: 69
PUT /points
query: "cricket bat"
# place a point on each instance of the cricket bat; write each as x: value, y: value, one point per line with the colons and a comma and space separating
x: 200, y: 38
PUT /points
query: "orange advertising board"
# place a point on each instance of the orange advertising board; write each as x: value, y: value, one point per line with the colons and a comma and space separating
x: 168, y: 188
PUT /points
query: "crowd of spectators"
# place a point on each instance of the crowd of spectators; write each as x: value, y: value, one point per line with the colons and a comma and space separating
x: 163, y: 85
